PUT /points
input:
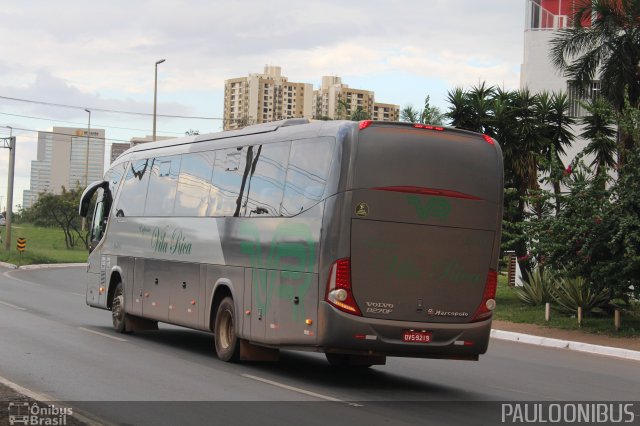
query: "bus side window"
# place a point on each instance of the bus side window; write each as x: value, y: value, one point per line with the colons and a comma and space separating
x: 307, y: 174
x: 228, y: 171
x: 264, y: 192
x: 99, y: 222
x: 134, y: 188
x: 163, y: 184
x: 113, y: 176
x: 194, y: 184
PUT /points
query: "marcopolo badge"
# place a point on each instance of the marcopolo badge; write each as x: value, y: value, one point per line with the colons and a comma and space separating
x: 362, y: 210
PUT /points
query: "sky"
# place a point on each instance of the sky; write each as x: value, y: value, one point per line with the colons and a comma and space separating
x: 101, y: 55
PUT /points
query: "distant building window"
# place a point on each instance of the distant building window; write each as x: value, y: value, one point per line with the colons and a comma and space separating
x: 590, y: 93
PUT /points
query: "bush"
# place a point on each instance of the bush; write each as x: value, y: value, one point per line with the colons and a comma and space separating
x: 538, y: 287
x: 572, y: 293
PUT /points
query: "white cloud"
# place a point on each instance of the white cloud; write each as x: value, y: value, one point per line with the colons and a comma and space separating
x: 102, y: 54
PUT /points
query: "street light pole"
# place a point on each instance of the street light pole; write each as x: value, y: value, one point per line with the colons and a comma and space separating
x: 86, y: 163
x: 155, y: 97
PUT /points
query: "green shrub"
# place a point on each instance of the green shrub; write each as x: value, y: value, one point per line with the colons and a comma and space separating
x: 572, y: 293
x: 538, y: 287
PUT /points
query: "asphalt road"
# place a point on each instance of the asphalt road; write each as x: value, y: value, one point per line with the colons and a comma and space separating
x: 52, y: 343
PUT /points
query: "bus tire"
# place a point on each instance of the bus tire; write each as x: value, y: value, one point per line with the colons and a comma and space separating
x: 118, y: 316
x: 226, y: 340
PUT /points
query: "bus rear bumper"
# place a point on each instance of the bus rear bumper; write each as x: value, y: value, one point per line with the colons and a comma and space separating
x: 344, y: 333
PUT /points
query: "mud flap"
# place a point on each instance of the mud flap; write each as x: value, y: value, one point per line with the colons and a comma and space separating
x: 133, y: 323
x: 251, y: 352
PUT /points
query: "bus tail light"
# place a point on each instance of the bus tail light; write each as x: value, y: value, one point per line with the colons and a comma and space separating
x: 488, y: 302
x: 364, y: 124
x: 339, y: 292
x: 489, y: 139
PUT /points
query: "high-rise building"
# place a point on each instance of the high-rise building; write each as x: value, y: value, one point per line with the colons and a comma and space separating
x: 117, y: 149
x: 67, y: 157
x: 335, y: 100
x: 260, y: 98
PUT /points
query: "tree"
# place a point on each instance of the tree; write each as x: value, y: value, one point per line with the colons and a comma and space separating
x: 599, y: 129
x: 359, y: 114
x: 556, y: 129
x: 604, y: 43
x: 62, y: 211
x: 409, y: 114
x: 431, y: 114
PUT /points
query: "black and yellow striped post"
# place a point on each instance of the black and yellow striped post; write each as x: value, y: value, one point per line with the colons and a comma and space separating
x: 22, y: 245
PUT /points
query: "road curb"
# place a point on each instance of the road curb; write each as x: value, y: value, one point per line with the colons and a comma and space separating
x: 41, y: 266
x: 51, y: 265
x: 566, y: 344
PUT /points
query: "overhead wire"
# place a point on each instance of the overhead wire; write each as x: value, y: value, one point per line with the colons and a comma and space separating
x: 112, y: 111
x: 80, y: 124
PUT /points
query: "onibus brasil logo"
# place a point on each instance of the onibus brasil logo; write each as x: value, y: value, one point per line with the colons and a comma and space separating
x: 30, y: 413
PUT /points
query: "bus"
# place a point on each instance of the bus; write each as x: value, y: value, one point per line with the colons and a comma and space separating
x: 360, y: 240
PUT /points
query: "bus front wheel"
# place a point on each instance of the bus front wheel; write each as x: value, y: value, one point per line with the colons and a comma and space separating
x: 226, y: 340
x: 118, y: 315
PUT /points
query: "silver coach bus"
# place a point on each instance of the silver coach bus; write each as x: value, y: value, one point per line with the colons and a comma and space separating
x: 359, y: 240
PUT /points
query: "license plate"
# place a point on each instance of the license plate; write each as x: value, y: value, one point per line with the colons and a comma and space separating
x: 416, y: 336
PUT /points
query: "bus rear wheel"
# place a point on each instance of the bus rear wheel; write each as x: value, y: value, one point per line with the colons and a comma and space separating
x: 226, y: 340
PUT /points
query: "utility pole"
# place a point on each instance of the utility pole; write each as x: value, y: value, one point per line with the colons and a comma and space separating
x: 155, y: 97
x: 9, y: 143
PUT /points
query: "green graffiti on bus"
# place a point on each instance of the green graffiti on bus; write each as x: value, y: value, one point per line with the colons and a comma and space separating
x: 436, y: 207
x: 290, y: 258
x: 385, y: 260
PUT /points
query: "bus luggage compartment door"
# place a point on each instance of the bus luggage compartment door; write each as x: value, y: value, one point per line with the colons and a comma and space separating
x: 416, y: 272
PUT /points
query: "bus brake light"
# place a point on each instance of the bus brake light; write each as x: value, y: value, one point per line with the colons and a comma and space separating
x: 428, y: 127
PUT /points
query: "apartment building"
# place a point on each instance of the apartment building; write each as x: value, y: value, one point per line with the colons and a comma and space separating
x: 543, y: 20
x: 67, y: 157
x: 385, y: 112
x: 337, y: 101
x: 261, y: 98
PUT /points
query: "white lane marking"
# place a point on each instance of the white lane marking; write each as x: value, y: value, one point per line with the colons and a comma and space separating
x: 119, y: 339
x: 12, y: 306
x: 302, y: 391
x: 87, y: 418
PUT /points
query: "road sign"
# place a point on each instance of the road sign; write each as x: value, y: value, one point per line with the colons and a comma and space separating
x: 22, y: 244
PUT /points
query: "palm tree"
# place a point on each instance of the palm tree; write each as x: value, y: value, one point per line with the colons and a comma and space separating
x: 603, y: 43
x: 461, y: 111
x: 409, y: 114
x: 553, y: 112
x: 600, y: 131
x: 481, y: 100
